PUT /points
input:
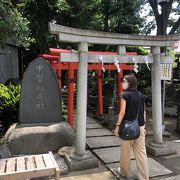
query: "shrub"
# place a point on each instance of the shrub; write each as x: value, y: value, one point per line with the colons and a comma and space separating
x: 64, y: 110
x: 9, y: 104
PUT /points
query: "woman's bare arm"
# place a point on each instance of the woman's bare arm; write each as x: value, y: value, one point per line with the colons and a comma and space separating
x: 120, y: 116
x: 122, y: 111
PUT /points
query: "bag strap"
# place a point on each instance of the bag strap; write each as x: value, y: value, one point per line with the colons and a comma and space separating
x: 138, y: 105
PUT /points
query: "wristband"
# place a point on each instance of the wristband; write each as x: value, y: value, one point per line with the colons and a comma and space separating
x: 117, y: 124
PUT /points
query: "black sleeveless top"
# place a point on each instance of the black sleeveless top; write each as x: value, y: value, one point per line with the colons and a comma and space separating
x: 131, y: 98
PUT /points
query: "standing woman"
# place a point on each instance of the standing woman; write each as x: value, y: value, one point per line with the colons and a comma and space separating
x: 130, y: 98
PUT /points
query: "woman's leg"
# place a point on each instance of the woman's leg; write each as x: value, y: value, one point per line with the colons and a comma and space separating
x: 139, y: 148
x: 125, y: 158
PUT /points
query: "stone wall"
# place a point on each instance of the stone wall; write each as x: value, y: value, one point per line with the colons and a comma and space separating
x: 8, y: 63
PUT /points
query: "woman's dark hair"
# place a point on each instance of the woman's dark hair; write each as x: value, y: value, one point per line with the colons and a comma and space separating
x: 132, y: 80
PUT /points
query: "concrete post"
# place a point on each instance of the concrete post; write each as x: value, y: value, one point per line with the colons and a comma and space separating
x: 121, y: 50
x: 80, y: 146
x: 156, y: 96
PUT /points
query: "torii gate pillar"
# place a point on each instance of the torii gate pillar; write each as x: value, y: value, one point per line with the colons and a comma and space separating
x: 157, y: 147
x: 156, y: 96
x: 81, y: 99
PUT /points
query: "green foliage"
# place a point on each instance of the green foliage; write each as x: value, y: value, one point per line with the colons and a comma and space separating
x: 144, y: 82
x: 64, y: 111
x: 13, y: 26
x: 109, y: 83
x: 125, y: 17
x: 64, y: 108
x: 39, y: 13
x: 138, y: 49
x: 9, y: 103
x: 114, y: 16
x: 172, y: 54
x: 105, y: 15
x: 9, y: 96
x: 144, y: 75
x: 108, y: 79
x: 78, y: 13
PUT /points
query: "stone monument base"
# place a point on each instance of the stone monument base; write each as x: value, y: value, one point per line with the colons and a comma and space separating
x: 160, y: 149
x: 77, y: 163
x: 38, y: 138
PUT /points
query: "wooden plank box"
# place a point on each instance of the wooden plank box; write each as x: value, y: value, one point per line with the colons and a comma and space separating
x: 26, y: 167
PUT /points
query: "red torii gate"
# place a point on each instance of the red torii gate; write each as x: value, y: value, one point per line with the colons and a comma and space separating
x: 54, y: 59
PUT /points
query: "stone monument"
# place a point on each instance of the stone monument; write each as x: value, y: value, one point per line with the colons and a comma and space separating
x: 40, y: 129
x: 40, y: 97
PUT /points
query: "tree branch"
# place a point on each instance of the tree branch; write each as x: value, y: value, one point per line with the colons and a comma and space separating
x: 168, y: 8
x: 175, y: 27
x: 154, y: 5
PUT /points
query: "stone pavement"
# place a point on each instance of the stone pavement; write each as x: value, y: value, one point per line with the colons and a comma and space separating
x: 99, y: 176
x: 106, y: 148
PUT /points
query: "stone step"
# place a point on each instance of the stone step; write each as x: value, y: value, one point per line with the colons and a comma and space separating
x: 91, y: 176
x: 98, y: 133
x: 88, y: 121
x: 91, y: 126
x: 155, y: 169
x: 110, y: 154
x: 172, y: 178
x: 102, y: 142
x: 94, y: 126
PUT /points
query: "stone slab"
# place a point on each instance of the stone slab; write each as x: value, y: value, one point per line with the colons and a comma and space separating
x: 155, y: 169
x: 90, y: 125
x: 165, y: 133
x: 98, y: 132
x: 174, y: 163
x: 40, y: 100
x: 94, y: 126
x: 92, y: 176
x: 176, y: 145
x: 4, y: 152
x: 172, y: 178
x: 110, y: 155
x: 100, y: 142
x: 88, y: 161
x: 160, y: 151
x: 90, y: 121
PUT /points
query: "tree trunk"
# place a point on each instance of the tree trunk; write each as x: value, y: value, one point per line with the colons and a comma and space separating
x: 106, y: 14
x: 161, y: 19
